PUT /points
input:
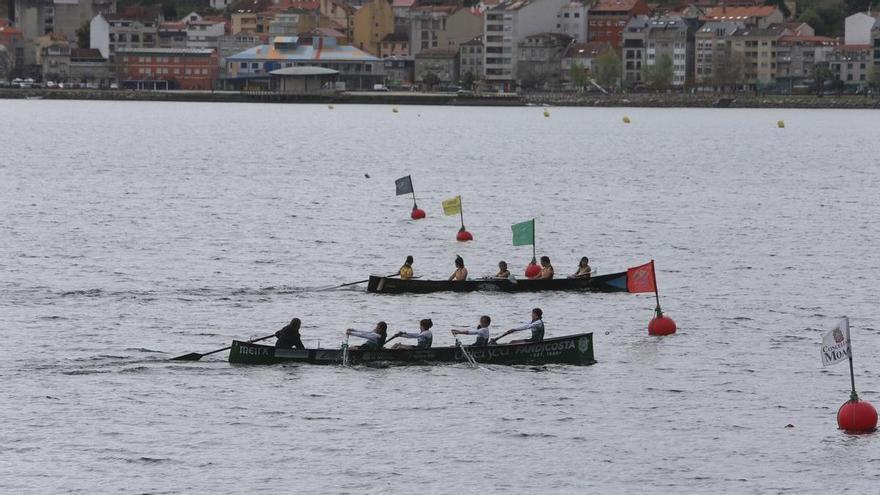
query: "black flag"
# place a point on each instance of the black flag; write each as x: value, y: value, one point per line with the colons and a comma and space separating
x: 404, y: 185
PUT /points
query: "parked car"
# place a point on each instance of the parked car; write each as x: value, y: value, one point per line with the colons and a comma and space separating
x: 379, y: 87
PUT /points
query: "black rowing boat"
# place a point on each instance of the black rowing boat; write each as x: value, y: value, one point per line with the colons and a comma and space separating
x: 612, y: 282
x: 573, y: 349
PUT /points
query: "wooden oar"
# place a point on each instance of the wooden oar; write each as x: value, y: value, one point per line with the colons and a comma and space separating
x: 354, y: 283
x: 195, y: 356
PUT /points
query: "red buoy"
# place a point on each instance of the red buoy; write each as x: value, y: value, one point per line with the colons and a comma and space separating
x: 464, y: 236
x: 533, y: 269
x: 417, y: 213
x: 857, y: 416
x: 661, y: 325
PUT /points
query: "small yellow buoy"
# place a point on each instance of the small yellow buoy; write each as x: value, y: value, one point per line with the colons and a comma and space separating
x: 626, y: 119
x: 394, y: 109
x: 780, y: 124
x: 546, y: 113
x: 330, y: 107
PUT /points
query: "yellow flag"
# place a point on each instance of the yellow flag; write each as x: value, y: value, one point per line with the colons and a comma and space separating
x: 452, y: 206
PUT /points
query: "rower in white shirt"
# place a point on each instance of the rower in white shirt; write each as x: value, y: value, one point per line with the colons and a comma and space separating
x: 424, y: 337
x: 482, y: 332
x: 536, y: 326
x: 375, y: 338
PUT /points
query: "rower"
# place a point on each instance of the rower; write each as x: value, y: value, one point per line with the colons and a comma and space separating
x: 482, y: 332
x: 503, y: 272
x: 546, y: 272
x: 536, y: 326
x: 584, y: 270
x: 375, y: 338
x: 460, y: 274
x: 424, y: 336
x: 288, y: 337
x: 406, y: 271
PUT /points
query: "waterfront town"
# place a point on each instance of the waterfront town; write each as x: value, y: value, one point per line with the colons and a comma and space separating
x: 492, y: 46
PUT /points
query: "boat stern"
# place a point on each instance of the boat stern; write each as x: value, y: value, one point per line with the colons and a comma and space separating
x: 246, y: 353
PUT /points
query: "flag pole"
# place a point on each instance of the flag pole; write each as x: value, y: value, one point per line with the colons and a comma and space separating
x: 534, y: 249
x: 657, y: 310
x: 853, y: 397
x: 461, y: 212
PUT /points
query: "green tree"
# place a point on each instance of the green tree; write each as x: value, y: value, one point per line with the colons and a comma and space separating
x: 873, y: 76
x: 430, y: 80
x: 467, y: 80
x: 607, y: 68
x: 659, y: 75
x: 578, y: 74
x: 84, y: 35
x: 823, y: 73
x: 826, y: 20
x: 727, y: 69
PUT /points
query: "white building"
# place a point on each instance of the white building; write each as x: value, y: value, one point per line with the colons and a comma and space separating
x: 220, y: 4
x: 204, y: 33
x: 857, y: 29
x: 573, y: 21
x: 506, y: 26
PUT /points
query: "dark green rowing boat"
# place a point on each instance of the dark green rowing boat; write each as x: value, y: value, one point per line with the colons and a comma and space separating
x: 572, y: 349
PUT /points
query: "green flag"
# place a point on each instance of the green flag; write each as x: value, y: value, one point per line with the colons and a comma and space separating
x: 524, y: 233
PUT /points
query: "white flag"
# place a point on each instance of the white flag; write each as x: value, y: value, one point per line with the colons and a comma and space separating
x: 835, y: 343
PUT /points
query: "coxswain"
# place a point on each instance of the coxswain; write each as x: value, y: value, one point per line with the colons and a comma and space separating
x: 536, y: 326
x: 406, y: 271
x: 584, y: 270
x: 460, y: 274
x: 546, y: 272
x: 424, y: 336
x: 503, y: 272
x: 482, y: 332
x: 375, y: 338
x: 288, y: 337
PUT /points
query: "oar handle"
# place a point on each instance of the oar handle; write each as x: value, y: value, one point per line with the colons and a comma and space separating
x: 389, y: 340
x: 230, y: 347
x: 355, y: 283
x: 195, y: 356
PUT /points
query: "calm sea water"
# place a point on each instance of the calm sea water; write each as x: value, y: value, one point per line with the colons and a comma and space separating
x: 134, y: 232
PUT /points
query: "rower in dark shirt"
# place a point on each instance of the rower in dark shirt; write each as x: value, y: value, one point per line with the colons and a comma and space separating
x: 288, y: 337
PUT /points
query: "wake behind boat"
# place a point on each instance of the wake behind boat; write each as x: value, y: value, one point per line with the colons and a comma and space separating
x: 573, y: 349
x: 612, y: 282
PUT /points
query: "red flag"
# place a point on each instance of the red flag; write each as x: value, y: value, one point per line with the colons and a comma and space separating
x: 641, y: 278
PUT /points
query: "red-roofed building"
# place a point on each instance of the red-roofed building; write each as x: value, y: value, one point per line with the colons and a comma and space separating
x: 607, y: 19
x: 167, y: 68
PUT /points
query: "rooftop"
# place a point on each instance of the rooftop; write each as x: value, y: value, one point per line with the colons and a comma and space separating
x: 587, y: 50
x: 167, y: 51
x: 304, y: 71
x: 305, y: 52
x: 738, y: 13
x: 613, y: 5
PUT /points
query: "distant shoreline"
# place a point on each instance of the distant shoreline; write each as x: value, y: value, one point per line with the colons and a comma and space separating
x: 659, y: 100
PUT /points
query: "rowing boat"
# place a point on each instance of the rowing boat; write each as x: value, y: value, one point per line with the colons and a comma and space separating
x: 612, y: 282
x: 572, y: 349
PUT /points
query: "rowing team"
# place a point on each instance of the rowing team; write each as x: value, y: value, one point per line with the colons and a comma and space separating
x: 461, y: 273
x: 289, y: 336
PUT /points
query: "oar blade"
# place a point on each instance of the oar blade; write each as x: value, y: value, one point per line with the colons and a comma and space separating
x: 193, y: 356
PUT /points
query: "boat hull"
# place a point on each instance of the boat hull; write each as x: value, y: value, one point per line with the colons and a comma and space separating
x: 572, y: 349
x: 612, y: 282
